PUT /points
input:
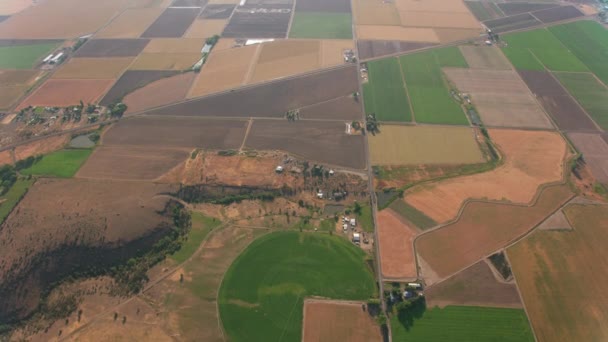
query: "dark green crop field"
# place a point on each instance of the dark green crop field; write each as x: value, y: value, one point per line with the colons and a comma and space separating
x: 384, y: 94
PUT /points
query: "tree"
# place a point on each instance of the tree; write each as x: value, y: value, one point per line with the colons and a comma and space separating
x: 91, y: 108
x: 292, y: 115
x: 117, y: 110
x: 371, y: 123
x: 356, y: 125
x: 357, y: 208
x: 356, y: 96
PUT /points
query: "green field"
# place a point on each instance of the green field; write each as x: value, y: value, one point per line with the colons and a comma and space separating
x: 385, y: 91
x: 62, y: 164
x: 23, y: 56
x: 321, y: 25
x: 590, y: 93
x: 201, y: 226
x: 526, y: 49
x: 463, y: 323
x: 365, y: 219
x: 262, y: 294
x: 428, y: 89
x: 588, y: 40
x: 13, y: 196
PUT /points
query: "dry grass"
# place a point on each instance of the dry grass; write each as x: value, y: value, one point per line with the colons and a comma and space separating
x: 130, y: 24
x: 205, y: 28
x: 411, y: 34
x: 165, y: 61
x: 174, y: 45
x: 396, y: 239
x: 93, y: 68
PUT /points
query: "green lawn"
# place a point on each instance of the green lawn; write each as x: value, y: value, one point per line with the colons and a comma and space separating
x: 201, y: 226
x: 590, y: 93
x: 463, y: 323
x: 385, y: 91
x: 23, y: 56
x: 13, y: 196
x: 588, y: 40
x: 365, y: 218
x: 428, y: 90
x: 321, y: 25
x: 63, y: 164
x: 525, y: 49
x: 262, y: 294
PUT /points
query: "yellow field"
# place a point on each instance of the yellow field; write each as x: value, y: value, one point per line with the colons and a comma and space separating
x: 411, y: 34
x: 174, y: 45
x: 206, y: 28
x: 165, y: 61
x: 130, y: 24
x: 94, y: 68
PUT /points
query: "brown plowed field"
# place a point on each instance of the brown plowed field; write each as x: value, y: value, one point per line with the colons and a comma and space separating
x: 511, y: 8
x: 225, y: 69
x: 321, y: 141
x: 338, y: 321
x: 131, y: 163
x: 13, y: 84
x: 112, y: 48
x: 159, y: 93
x: 370, y: 12
x: 568, y: 115
x: 514, y: 22
x: 130, y: 24
x: 448, y: 35
x: 475, y: 286
x: 438, y: 19
x: 62, y: 93
x: 93, y: 68
x: 205, y: 28
x: 132, y: 80
x: 174, y: 132
x: 10, y: 94
x: 530, y: 159
x: 174, y: 45
x: 410, y: 34
x: 485, y: 57
x: 557, y: 221
x: 500, y: 96
x: 557, y: 13
x: 165, y: 61
x: 43, y: 146
x: 342, y: 108
x: 286, y: 57
x: 17, y: 77
x: 378, y: 48
x: 483, y: 228
x: 396, y: 246
x: 449, y: 6
x: 552, y: 266
x: 595, y: 153
x: 172, y: 23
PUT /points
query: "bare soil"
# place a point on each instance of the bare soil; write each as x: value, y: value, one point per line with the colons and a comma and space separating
x: 43, y: 146
x: 397, y: 33
x: 438, y: 19
x: 63, y: 93
x: 334, y: 321
x: 93, y: 68
x: 132, y: 80
x: 172, y: 23
x: 557, y: 14
x: 174, y: 45
x: 130, y: 24
x: 595, y: 153
x: 557, y: 221
x: 159, y: 93
x: 14, y: 6
x: 112, y: 48
x: 165, y: 61
x: 485, y: 57
x: 205, y: 28
x: 396, y: 239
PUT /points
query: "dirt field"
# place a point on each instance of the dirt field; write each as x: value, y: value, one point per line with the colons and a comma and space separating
x: 6, y: 158
x: 512, y: 8
x: 410, y: 34
x: 557, y: 14
x: 500, y: 96
x: 483, y: 229
x: 17, y: 77
x: 332, y: 51
x: 130, y: 24
x: 475, y: 286
x: 451, y: 6
x: 172, y: 23
x: 568, y: 114
x: 132, y: 80
x: 321, y: 141
x: 246, y: 22
x: 93, y: 68
x: 529, y: 160
x: 205, y: 28
x: 549, y: 266
x: 378, y: 48
x: 14, y: 6
x: 341, y: 108
x: 10, y: 94
x: 158, y: 93
x: 174, y: 132
x: 557, y: 221
x: 438, y: 19
x: 131, y: 163
x: 370, y: 12
x: 217, y: 11
x: 43, y: 146
x: 485, y: 57
x: 595, y: 153
x: 448, y: 35
x: 165, y: 61
x: 112, y: 48
x: 227, y: 68
x: 334, y: 321
x: 409, y: 145
x: 13, y: 84
x: 286, y: 57
x: 514, y: 22
x: 396, y: 239
x: 174, y: 45
x: 62, y: 93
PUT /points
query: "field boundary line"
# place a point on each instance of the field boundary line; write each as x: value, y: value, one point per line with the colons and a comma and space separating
x: 249, y: 124
x: 252, y: 64
x: 293, y: 14
x: 407, y: 93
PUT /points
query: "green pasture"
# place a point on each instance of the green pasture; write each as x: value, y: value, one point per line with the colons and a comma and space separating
x: 462, y: 323
x: 315, y: 25
x: 428, y: 89
x: 263, y: 292
x: 23, y: 56
x: 385, y: 91
x: 62, y: 164
x: 201, y: 227
x: 526, y: 49
x: 590, y: 93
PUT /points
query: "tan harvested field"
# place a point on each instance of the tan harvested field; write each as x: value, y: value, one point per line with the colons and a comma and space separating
x: 8, y: 7
x: 161, y: 92
x: 43, y: 146
x: 10, y: 94
x: 62, y: 93
x: 501, y: 97
x: 223, y: 1
x: 475, y: 286
x: 286, y: 57
x: 225, y: 69
x: 372, y: 12
x: 338, y: 321
x: 448, y: 6
x: 205, y: 28
x: 438, y: 19
x: 530, y: 159
x: 332, y: 51
x: 485, y: 57
x: 482, y: 229
x: 448, y: 35
x: 396, y: 239
x: 130, y: 24
x: 131, y: 163
x: 59, y: 19
x: 165, y: 61
x: 17, y: 77
x: 93, y: 68
x: 562, y: 277
x: 224, y: 44
x: 174, y: 45
x: 410, y: 34
x: 411, y: 145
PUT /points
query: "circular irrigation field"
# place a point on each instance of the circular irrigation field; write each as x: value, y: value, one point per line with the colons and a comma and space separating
x: 263, y: 292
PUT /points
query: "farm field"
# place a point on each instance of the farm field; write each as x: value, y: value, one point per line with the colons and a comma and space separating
x: 247, y: 22
x: 62, y: 93
x: 172, y: 23
x: 62, y: 164
x: 411, y: 214
x: 590, y: 93
x: 24, y: 56
x: 512, y: 23
x: 44, y: 146
x: 484, y: 10
x: 112, y: 48
x: 464, y: 323
x: 12, y: 197
x: 530, y: 159
x: 130, y: 24
x: 483, y: 57
x: 378, y: 48
x: 13, y: 6
x: 475, y: 286
x: 217, y: 11
x: 132, y: 80
x: 385, y: 94
x: 411, y: 145
x: 397, y: 33
x: 554, y: 14
x: 14, y: 83
x: 160, y: 92
x: 549, y: 265
x: 205, y: 28
x: 201, y: 227
x: 165, y: 61
x: 334, y: 321
x: 261, y: 303
x: 321, y: 25
x: 427, y: 88
x: 93, y: 68
x: 341, y: 108
x: 595, y: 151
x: 482, y: 229
x: 396, y: 239
x: 512, y: 8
